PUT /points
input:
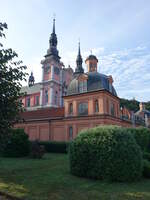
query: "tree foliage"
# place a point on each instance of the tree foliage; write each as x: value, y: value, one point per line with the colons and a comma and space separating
x: 133, y: 104
x: 12, y: 72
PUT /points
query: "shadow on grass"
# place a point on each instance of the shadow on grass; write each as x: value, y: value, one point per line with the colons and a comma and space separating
x: 49, y: 178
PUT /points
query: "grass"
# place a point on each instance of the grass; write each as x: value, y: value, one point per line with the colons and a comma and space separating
x: 49, y: 178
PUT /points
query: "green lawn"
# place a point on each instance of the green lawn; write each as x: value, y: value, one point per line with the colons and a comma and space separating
x: 49, y: 178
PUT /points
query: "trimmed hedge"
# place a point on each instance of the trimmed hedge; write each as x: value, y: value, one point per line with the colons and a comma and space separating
x: 146, y: 168
x: 55, y: 147
x: 142, y: 137
x: 17, y: 145
x: 106, y: 152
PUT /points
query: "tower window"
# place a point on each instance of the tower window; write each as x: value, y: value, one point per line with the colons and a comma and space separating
x: 46, y: 96
x: 70, y: 133
x: 28, y: 102
x: 83, y: 109
x: 46, y: 69
x: 96, y: 106
x: 70, y: 108
x: 56, y: 70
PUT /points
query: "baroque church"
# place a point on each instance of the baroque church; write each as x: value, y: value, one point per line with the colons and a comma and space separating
x: 66, y: 101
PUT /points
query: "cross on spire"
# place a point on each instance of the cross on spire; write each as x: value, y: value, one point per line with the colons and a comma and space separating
x: 79, y: 53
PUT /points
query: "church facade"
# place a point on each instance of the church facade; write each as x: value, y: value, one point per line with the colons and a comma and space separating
x: 66, y: 101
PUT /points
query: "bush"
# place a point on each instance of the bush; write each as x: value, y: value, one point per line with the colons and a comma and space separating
x: 55, y: 147
x: 37, y: 150
x: 106, y: 152
x: 17, y: 144
x: 146, y: 169
x: 146, y: 156
x: 142, y: 137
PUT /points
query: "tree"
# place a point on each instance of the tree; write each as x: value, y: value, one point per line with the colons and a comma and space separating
x: 12, y: 72
x: 133, y: 104
x: 130, y: 104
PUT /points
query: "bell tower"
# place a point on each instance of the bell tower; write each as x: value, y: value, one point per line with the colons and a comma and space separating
x: 51, y: 89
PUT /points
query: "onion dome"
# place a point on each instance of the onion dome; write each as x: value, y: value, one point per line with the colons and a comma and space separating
x: 91, y: 57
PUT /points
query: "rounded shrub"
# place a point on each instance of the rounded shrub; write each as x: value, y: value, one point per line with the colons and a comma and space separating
x: 106, y: 152
x: 142, y: 137
x: 18, y: 144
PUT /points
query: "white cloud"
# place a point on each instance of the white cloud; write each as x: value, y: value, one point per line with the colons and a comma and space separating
x: 130, y: 69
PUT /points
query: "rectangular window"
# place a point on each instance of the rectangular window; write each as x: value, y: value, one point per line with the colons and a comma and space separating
x: 82, y: 86
x: 46, y: 96
x: 83, y: 109
x: 70, y: 133
x: 28, y: 102
x: 85, y: 86
x: 37, y: 100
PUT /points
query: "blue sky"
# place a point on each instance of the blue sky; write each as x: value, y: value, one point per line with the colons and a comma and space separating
x: 118, y: 32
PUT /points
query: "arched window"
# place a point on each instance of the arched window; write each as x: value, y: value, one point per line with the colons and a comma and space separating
x: 70, y: 108
x: 112, y: 109
x: 46, y: 96
x: 70, y: 133
x: 56, y: 97
x: 96, y: 106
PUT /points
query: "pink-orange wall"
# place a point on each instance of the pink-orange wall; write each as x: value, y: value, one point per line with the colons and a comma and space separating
x: 58, y: 130
x: 105, y: 100
x: 32, y: 99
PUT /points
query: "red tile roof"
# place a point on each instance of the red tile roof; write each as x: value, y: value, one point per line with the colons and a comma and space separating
x: 47, y: 113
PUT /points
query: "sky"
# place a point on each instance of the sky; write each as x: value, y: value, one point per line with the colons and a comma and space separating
x: 117, y: 32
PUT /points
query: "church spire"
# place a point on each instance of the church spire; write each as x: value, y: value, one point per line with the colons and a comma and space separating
x: 54, y: 26
x: 79, y: 52
x: 79, y: 69
x: 53, y: 37
x: 52, y: 51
